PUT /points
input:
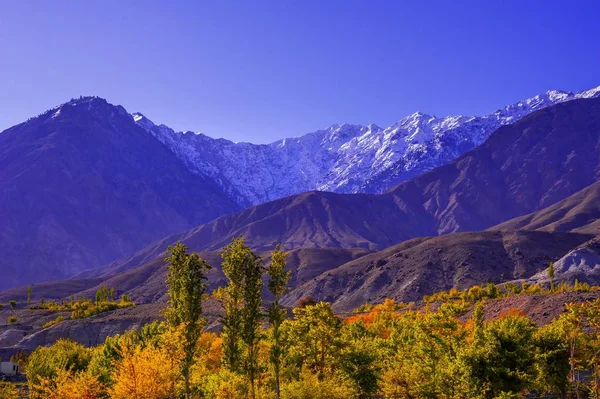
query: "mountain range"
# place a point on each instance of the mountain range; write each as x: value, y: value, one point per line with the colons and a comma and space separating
x: 523, y: 167
x: 411, y: 240
x: 342, y: 158
x: 86, y: 183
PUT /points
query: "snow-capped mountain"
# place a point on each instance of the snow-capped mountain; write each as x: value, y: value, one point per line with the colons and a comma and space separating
x: 342, y: 158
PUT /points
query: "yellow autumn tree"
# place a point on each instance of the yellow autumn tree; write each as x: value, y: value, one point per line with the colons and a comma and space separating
x: 144, y: 374
x: 69, y: 385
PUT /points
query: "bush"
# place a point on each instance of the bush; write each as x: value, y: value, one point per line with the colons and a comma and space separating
x: 310, y: 387
x: 12, y: 319
x: 81, y: 310
x: 10, y: 391
x: 46, y: 362
x: 54, y: 322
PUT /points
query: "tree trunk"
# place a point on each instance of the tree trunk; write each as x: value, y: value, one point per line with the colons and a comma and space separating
x: 277, y: 388
x: 188, y: 394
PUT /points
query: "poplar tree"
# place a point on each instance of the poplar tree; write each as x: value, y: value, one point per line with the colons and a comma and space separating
x: 278, y: 279
x: 242, y: 306
x: 186, y: 282
x: 478, y: 320
x: 551, y: 275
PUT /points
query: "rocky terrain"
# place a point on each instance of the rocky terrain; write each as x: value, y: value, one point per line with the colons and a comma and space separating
x: 84, y: 185
x: 522, y: 168
x: 414, y: 268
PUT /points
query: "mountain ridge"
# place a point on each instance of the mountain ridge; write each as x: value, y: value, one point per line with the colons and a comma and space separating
x: 82, y: 185
x: 521, y: 168
x: 343, y: 158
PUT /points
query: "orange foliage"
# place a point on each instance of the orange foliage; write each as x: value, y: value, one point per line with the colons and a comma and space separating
x: 512, y: 312
x: 68, y: 385
x: 365, y: 318
x: 144, y: 373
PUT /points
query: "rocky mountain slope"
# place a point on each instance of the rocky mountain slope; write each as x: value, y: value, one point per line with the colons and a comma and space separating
x: 342, y: 158
x: 83, y: 184
x: 579, y: 212
x: 524, y: 167
x: 422, y: 266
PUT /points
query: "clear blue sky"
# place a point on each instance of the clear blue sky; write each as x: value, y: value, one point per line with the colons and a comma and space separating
x: 262, y: 70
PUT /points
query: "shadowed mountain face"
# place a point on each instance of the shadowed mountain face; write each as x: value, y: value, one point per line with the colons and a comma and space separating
x: 521, y: 168
x: 422, y: 266
x: 82, y: 185
x: 579, y: 212
x: 350, y: 277
x: 544, y: 158
x: 146, y: 283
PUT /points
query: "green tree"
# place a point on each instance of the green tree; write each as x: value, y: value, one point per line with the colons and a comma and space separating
x: 359, y: 364
x: 478, y: 317
x: 242, y: 305
x: 28, y: 295
x: 552, y: 359
x: 232, y: 300
x: 47, y: 362
x: 278, y: 280
x: 314, y: 338
x: 504, y: 360
x: 551, y: 275
x: 102, y: 294
x: 186, y: 282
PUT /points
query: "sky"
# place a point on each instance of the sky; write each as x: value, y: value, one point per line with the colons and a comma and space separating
x: 262, y: 70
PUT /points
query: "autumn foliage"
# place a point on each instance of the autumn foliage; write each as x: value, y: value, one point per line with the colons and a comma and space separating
x: 447, y: 347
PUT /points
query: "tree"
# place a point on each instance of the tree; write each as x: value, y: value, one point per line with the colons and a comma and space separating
x: 143, y: 373
x: 13, y: 304
x: 103, y: 294
x: 551, y: 275
x: 504, y: 360
x: 478, y: 315
x: 28, y: 295
x: 232, y: 304
x: 242, y: 305
x: 314, y: 338
x: 278, y: 279
x: 70, y: 385
x: 45, y: 363
x: 186, y: 282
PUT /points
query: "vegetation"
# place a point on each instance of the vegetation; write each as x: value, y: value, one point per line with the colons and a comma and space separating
x: 388, y: 351
x: 492, y: 291
x: 186, y: 282
x: 278, y: 280
x: 51, y: 323
x: 83, y: 307
x: 12, y: 319
x: 11, y: 391
x: 242, y: 305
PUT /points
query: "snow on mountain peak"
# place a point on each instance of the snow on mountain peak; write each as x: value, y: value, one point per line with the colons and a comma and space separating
x: 343, y: 158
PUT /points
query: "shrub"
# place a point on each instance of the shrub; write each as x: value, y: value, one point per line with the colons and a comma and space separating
x: 10, y: 391
x: 47, y: 362
x: 310, y: 387
x: 12, y: 319
x: 53, y: 322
